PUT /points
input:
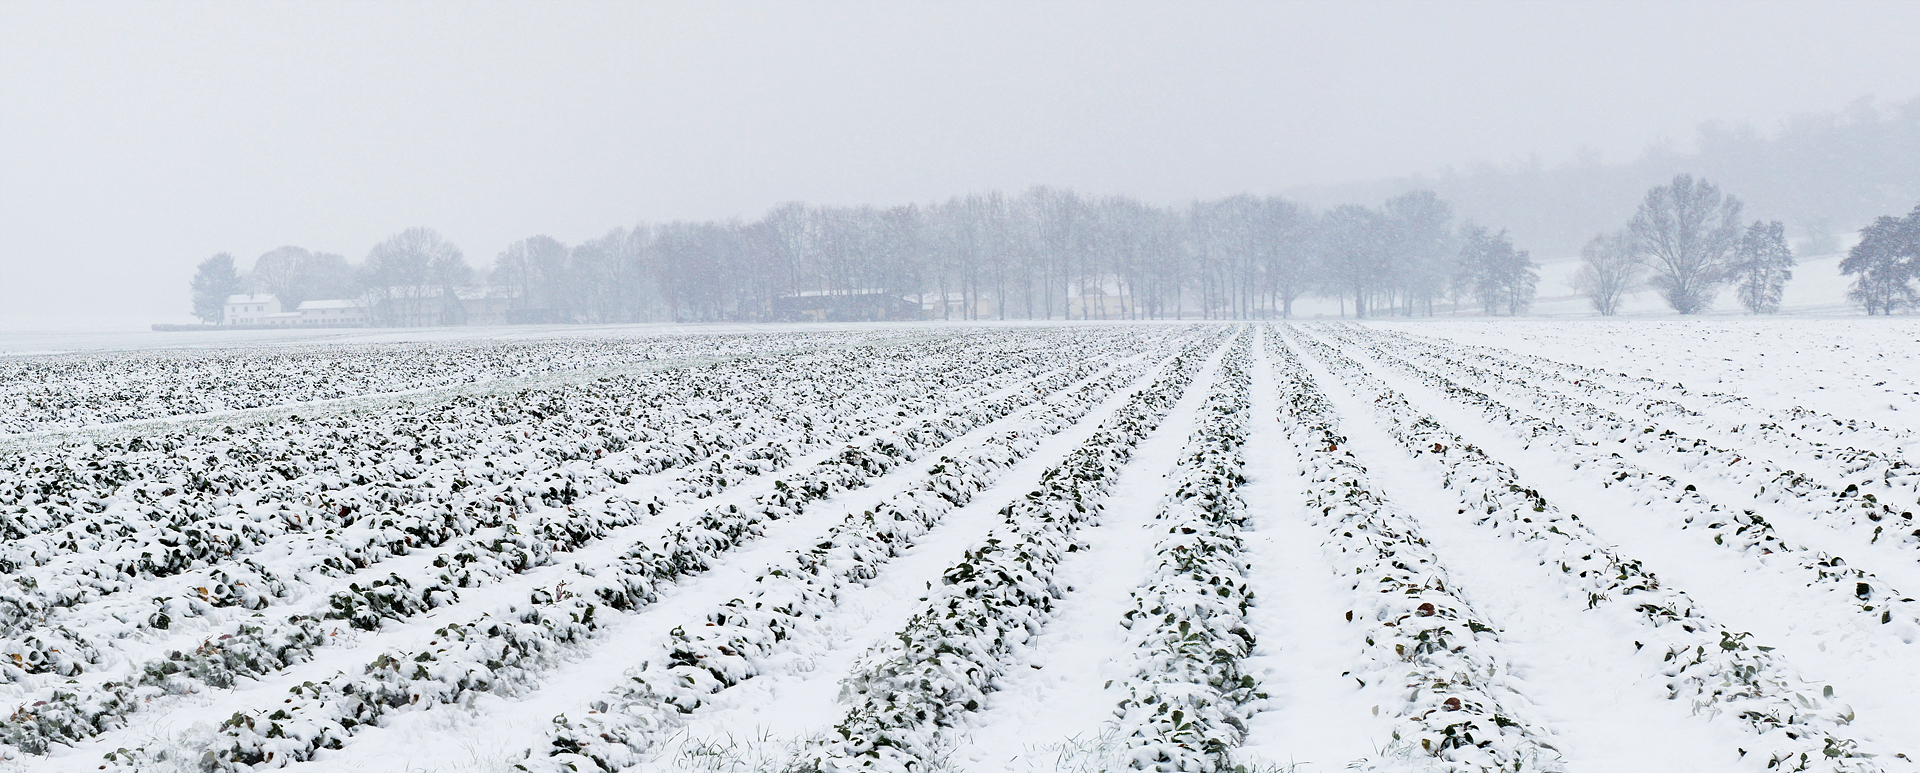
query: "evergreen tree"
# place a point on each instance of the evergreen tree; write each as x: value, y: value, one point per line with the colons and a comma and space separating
x: 1519, y: 278
x: 213, y: 281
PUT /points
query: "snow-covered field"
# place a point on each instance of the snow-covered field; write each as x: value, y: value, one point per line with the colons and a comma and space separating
x: 1523, y: 545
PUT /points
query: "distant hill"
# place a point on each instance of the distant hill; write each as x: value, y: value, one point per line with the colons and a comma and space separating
x: 1823, y: 174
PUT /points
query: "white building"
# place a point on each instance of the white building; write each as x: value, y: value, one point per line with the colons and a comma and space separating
x: 250, y: 309
x: 264, y: 310
x: 333, y: 312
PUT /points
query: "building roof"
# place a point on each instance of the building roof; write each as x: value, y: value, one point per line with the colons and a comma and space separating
x: 437, y: 292
x: 835, y: 293
x: 328, y: 304
x: 486, y: 291
x: 261, y: 298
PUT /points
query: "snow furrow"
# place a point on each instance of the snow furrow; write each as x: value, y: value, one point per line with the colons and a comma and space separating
x: 1872, y: 485
x: 1185, y: 706
x: 255, y: 649
x: 741, y: 639
x: 948, y: 655
x: 1681, y: 494
x: 504, y: 650
x: 1459, y: 707
x: 1717, y: 670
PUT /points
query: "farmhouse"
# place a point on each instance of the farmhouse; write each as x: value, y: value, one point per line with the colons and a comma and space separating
x: 332, y: 312
x: 264, y: 310
x: 250, y: 309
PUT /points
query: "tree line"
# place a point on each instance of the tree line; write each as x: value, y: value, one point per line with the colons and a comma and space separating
x: 1688, y: 242
x: 1046, y: 253
x: 1050, y: 253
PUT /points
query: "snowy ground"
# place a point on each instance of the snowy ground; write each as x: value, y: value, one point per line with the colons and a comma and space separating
x: 1576, y: 545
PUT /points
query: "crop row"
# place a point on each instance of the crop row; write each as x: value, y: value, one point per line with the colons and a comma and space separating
x: 1718, y: 670
x: 1460, y: 707
x: 945, y: 659
x: 1868, y: 455
x: 735, y: 642
x: 1185, y: 705
x: 518, y: 453
x: 1743, y: 530
x: 254, y: 649
x: 80, y: 390
x: 66, y: 491
x: 319, y: 528
x: 505, y: 650
x: 477, y: 563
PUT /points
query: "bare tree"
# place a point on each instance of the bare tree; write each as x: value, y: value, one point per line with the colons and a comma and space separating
x: 1423, y: 246
x: 537, y: 272
x: 1491, y: 270
x: 1762, y: 265
x: 1353, y: 254
x: 599, y: 266
x: 1609, y: 270
x: 413, y: 278
x: 1887, y: 260
x: 1287, y: 249
x: 278, y: 272
x: 1684, y: 231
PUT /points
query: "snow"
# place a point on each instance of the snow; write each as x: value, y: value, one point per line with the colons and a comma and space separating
x: 1056, y: 700
x: 1646, y: 543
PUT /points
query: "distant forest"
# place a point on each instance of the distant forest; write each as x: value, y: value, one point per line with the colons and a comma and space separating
x: 1046, y: 253
x: 1823, y: 174
x: 1051, y: 253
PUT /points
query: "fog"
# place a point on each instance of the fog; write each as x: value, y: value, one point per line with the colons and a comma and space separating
x: 138, y: 139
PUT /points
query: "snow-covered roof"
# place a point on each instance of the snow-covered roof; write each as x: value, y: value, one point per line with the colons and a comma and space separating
x: 262, y: 298
x: 329, y: 304
x: 489, y: 291
x: 423, y: 292
x: 827, y: 293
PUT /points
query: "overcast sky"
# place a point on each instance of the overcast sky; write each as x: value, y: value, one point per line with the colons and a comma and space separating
x: 137, y: 139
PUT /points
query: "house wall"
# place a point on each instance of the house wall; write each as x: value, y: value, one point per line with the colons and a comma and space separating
x: 352, y: 315
x: 250, y: 313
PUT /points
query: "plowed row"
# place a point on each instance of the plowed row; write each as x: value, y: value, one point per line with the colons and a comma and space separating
x: 1179, y: 548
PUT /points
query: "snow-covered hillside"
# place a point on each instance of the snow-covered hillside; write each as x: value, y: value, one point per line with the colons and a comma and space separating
x: 1520, y: 545
x: 1817, y: 289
